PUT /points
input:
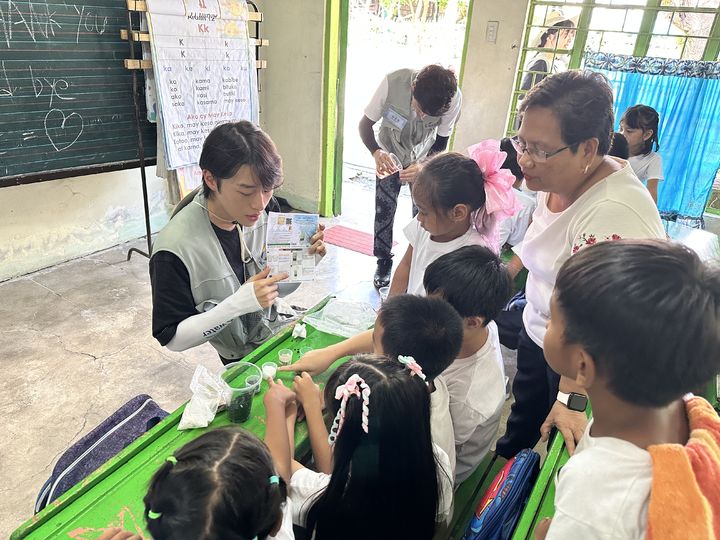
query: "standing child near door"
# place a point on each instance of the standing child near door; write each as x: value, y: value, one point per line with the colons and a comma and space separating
x: 639, y: 125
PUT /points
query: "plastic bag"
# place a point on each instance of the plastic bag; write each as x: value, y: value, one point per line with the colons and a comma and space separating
x: 342, y: 318
x: 210, y: 392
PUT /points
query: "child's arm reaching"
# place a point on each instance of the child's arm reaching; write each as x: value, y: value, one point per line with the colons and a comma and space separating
x: 310, y: 396
x: 315, y: 362
x: 399, y: 283
x: 277, y: 399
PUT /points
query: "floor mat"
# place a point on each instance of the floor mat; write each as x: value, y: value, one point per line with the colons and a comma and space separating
x: 341, y: 236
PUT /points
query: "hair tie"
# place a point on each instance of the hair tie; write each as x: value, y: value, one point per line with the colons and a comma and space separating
x: 274, y: 479
x: 500, y: 200
x: 410, y: 363
x: 355, y: 386
x: 154, y: 515
x: 171, y: 459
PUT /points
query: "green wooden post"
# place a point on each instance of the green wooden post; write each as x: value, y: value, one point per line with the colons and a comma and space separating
x: 581, y: 35
x: 642, y: 43
x: 712, y: 47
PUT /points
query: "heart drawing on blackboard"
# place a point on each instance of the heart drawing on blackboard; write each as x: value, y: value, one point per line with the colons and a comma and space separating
x: 61, y: 129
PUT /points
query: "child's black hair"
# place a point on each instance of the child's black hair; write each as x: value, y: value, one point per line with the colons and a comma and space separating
x: 472, y: 279
x: 218, y: 487
x: 449, y: 179
x: 619, y: 146
x: 644, y: 118
x: 384, y: 483
x: 511, y: 161
x: 647, y: 312
x: 234, y: 144
x: 428, y: 329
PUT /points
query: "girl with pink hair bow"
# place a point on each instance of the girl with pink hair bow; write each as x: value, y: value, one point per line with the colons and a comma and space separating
x: 459, y: 199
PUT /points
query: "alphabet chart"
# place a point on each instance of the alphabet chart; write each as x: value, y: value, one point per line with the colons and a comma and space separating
x: 204, y: 65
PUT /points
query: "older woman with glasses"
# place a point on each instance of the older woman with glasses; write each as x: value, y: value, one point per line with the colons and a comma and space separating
x: 584, y: 197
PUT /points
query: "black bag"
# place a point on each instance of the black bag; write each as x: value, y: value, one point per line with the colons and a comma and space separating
x: 105, y: 441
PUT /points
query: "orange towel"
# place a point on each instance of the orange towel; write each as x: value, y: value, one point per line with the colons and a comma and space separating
x: 685, y: 493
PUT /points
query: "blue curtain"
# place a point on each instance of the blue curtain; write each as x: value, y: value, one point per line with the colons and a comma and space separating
x: 686, y: 94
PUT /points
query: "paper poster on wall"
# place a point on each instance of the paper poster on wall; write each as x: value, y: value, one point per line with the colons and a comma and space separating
x: 204, y: 68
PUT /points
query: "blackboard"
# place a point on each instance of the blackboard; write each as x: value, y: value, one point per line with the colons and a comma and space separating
x: 66, y: 99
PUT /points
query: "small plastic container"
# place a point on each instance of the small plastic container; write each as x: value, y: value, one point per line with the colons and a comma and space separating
x: 269, y: 369
x: 398, y: 166
x: 245, y: 383
x: 285, y: 357
x: 304, y: 350
x: 383, y: 292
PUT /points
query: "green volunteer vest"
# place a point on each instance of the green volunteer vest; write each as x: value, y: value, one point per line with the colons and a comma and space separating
x: 189, y: 235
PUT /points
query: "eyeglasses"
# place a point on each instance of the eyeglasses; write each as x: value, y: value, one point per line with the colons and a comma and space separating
x: 537, y: 155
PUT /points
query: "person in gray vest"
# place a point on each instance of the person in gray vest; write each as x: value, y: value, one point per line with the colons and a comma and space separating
x: 417, y: 112
x: 208, y: 267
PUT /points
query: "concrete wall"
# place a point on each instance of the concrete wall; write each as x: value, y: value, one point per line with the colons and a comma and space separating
x: 47, y: 223
x: 291, y: 94
x: 490, y: 71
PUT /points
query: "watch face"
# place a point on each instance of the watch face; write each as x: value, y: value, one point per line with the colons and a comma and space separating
x: 577, y: 402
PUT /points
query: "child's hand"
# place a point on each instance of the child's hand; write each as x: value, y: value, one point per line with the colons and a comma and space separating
x: 541, y: 529
x: 278, y: 395
x: 116, y: 533
x: 308, y: 393
x: 314, y: 362
x: 318, y: 246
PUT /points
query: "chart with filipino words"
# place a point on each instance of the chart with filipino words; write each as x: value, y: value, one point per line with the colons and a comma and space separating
x: 204, y: 65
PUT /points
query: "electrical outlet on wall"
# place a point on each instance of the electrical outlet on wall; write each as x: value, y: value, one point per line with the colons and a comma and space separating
x: 491, y: 31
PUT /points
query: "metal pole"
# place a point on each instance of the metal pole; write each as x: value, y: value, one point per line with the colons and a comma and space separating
x: 141, y: 148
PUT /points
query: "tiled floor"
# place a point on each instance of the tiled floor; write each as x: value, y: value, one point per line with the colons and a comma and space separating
x: 75, y: 344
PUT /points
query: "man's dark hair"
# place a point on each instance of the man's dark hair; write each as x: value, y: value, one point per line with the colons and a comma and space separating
x: 582, y: 102
x: 647, y: 312
x: 428, y: 329
x: 434, y: 89
x: 619, y: 147
x: 230, y: 146
x: 472, y: 279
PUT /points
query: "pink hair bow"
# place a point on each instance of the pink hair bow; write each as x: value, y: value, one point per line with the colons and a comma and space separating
x: 410, y: 363
x: 500, y: 200
x: 354, y: 386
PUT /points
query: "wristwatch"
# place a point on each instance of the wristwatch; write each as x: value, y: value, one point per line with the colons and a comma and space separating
x: 573, y: 401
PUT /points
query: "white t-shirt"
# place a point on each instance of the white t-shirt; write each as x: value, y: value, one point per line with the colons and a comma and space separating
x: 306, y: 485
x: 616, y: 207
x: 374, y: 110
x: 647, y: 166
x: 286, y: 529
x: 603, y: 491
x: 512, y: 230
x: 476, y: 385
x: 441, y: 426
x: 426, y: 251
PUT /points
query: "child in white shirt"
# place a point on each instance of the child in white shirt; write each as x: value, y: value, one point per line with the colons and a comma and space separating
x: 636, y: 323
x: 450, y: 193
x: 639, y: 125
x: 476, y: 283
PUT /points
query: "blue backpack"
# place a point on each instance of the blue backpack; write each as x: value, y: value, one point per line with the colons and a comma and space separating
x: 115, y: 433
x: 500, y: 508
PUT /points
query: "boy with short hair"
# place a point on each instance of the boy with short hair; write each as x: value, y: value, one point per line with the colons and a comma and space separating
x: 476, y: 283
x: 637, y: 325
x: 427, y: 329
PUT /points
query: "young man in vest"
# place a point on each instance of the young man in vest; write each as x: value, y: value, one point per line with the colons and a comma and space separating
x: 417, y: 112
x: 208, y: 270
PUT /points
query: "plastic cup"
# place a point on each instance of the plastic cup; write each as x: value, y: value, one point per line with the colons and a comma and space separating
x: 397, y: 163
x: 285, y: 357
x: 269, y: 369
x: 383, y: 291
x: 305, y: 350
x: 244, y: 384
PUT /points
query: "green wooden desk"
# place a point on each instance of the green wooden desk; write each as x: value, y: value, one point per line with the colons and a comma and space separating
x: 112, y: 495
